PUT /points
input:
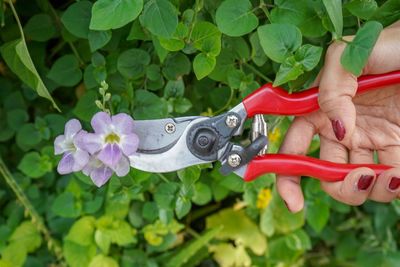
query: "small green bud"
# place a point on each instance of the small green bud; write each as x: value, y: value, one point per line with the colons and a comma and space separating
x: 98, y: 104
x: 107, y: 97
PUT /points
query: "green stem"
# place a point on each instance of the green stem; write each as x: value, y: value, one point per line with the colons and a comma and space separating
x: 162, y: 176
x: 257, y: 72
x: 52, y: 244
x: 59, y: 26
x: 264, y: 8
x: 17, y: 19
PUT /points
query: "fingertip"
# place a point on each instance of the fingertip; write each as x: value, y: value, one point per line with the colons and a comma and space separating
x: 289, y: 189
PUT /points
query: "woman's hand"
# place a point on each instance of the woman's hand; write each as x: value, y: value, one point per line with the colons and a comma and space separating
x: 352, y: 127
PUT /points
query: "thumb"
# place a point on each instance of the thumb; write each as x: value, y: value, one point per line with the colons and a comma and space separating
x: 336, y: 91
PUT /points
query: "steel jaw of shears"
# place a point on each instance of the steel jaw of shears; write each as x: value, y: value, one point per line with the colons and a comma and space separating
x: 171, y: 144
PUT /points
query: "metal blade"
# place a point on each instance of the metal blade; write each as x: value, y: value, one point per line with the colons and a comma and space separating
x: 159, y: 135
x: 171, y: 154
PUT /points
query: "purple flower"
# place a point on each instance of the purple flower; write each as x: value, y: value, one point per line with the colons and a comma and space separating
x: 74, y: 156
x: 112, y: 142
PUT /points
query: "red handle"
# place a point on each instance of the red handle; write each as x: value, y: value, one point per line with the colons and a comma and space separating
x: 276, y: 101
x: 303, y: 166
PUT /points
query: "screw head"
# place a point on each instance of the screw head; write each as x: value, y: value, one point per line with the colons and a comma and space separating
x: 234, y: 160
x: 170, y: 128
x: 231, y: 121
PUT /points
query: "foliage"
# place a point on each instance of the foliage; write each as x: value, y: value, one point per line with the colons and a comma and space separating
x: 165, y: 58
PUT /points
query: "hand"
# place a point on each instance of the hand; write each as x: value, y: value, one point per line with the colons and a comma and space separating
x: 352, y: 127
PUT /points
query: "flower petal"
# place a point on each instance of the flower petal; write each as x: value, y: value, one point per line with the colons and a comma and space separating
x: 123, y: 123
x: 110, y: 155
x: 101, y: 175
x: 81, y: 158
x: 101, y: 122
x: 72, y: 127
x: 122, y: 167
x: 59, y: 145
x: 89, y: 142
x: 66, y: 164
x: 129, y: 144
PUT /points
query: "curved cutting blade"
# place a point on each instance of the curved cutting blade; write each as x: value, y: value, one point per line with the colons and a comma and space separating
x: 163, y: 152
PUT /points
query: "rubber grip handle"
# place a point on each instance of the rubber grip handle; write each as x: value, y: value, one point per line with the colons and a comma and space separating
x: 276, y: 101
x: 303, y: 166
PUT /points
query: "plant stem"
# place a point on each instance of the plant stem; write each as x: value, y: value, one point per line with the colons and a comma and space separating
x: 59, y: 26
x: 257, y: 72
x: 52, y: 244
x: 17, y: 19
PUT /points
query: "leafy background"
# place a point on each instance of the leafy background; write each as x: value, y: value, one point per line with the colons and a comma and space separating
x: 172, y: 58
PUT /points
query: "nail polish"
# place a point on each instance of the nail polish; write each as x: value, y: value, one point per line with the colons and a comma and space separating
x: 394, y: 183
x: 338, y: 129
x: 364, y: 182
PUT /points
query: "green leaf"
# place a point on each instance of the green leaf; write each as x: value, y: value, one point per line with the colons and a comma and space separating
x: 77, y: 255
x: 175, y: 66
x: 40, y: 28
x: 182, y: 206
x: 189, y: 175
x: 177, y: 42
x: 103, y: 261
x: 238, y: 227
x: 207, y: 38
x: 111, y: 14
x: 304, y: 14
x: 284, y: 220
x: 183, y: 256
x: 334, y: 8
x: 203, y: 64
x: 257, y: 53
x: 65, y: 205
x: 82, y: 231
x: 182, y: 105
x: 117, y: 231
x: 28, y: 136
x: 76, y: 18
x: 227, y: 254
x: 86, y: 108
x: 132, y: 63
x: 174, y: 89
x: 98, y: 39
x: 363, y: 9
x: 27, y: 235
x: 279, y: 40
x: 356, y: 53
x: 65, y: 71
x: 17, y: 57
x: 148, y: 106
x: 15, y: 254
x: 34, y: 165
x: 236, y: 18
x: 289, y: 70
x: 388, y: 12
x: 160, y: 18
x: 317, y: 214
x: 202, y: 194
x: 16, y: 118
x: 308, y: 56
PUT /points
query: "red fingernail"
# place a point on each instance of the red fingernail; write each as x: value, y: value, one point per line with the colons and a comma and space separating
x: 364, y: 182
x: 394, y: 183
x: 338, y: 129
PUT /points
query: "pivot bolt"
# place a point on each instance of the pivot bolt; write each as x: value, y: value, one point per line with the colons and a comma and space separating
x: 234, y: 160
x: 231, y: 121
x: 170, y: 128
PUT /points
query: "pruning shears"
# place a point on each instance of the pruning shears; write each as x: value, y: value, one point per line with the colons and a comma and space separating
x: 174, y: 143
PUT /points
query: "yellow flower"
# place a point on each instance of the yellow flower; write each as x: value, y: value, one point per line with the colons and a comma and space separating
x: 275, y: 135
x: 208, y: 113
x: 264, y: 198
